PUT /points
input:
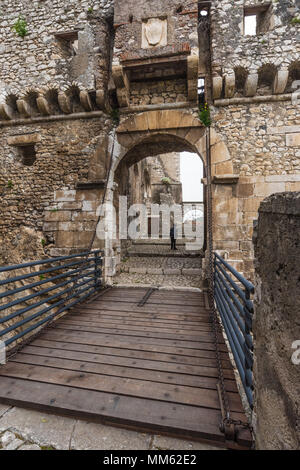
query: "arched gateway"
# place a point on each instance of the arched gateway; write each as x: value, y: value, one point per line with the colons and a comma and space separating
x: 153, y: 133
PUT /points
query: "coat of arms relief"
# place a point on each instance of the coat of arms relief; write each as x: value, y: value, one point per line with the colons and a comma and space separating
x: 154, y: 33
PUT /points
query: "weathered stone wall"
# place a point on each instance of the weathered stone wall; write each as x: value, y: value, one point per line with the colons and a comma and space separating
x: 276, y: 325
x: 257, y: 59
x: 260, y: 145
x: 41, y: 59
x: 165, y: 91
x: 46, y: 191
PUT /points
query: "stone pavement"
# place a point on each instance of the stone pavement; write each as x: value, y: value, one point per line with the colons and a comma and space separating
x: 163, y: 271
x: 22, y: 429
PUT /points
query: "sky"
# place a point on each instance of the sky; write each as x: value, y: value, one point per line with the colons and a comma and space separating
x: 191, y: 172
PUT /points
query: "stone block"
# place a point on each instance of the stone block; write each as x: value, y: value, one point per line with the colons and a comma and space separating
x: 224, y: 168
x: 82, y: 239
x: 90, y: 206
x: 217, y: 86
x: 142, y: 270
x: 295, y: 186
x: 265, y: 189
x: 88, y: 195
x: 219, y: 152
x: 245, y: 190
x: 65, y: 195
x: 58, y: 216
x: 25, y: 139
x: 192, y: 271
x: 172, y: 271
x: 250, y: 205
x: 64, y: 239
x: 293, y: 140
x: 82, y: 216
x: 50, y: 226
x: 72, y: 206
x: 157, y: 271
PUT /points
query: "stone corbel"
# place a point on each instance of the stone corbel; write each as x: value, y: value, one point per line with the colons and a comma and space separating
x: 102, y: 100
x: 229, y: 87
x: 192, y: 77
x: 225, y: 179
x: 280, y: 81
x: 85, y: 100
x: 24, y: 108
x: 251, y: 84
x: 22, y: 140
x: 43, y: 105
x: 6, y: 112
x: 217, y: 86
x: 64, y: 102
x: 122, y: 85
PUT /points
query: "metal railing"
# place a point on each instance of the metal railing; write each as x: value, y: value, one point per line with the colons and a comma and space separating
x: 34, y: 293
x: 232, y: 296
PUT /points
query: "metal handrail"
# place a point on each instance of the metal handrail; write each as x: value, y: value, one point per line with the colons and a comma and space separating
x: 84, y: 267
x: 235, y: 307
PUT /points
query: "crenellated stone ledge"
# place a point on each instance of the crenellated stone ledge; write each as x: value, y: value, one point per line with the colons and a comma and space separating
x: 51, y: 102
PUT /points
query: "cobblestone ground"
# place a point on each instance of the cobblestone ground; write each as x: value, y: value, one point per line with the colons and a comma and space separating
x: 162, y: 271
x: 22, y: 429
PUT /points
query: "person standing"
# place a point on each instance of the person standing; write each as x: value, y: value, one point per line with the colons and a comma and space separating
x: 173, y: 236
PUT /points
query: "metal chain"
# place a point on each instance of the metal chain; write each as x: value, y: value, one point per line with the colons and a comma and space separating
x: 90, y: 246
x: 228, y: 424
x: 215, y: 321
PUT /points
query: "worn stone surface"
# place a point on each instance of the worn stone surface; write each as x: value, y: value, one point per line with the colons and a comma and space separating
x: 91, y: 436
x: 276, y: 326
x: 32, y: 430
x: 42, y: 429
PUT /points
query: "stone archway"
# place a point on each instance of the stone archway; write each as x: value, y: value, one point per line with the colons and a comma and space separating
x: 155, y: 132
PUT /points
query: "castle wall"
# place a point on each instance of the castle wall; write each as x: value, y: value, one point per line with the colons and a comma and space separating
x: 132, y: 58
x: 276, y: 325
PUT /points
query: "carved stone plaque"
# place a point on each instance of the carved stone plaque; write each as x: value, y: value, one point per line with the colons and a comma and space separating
x: 154, y: 33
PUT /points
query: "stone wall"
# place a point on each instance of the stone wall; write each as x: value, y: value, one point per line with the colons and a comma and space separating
x: 43, y: 195
x: 259, y: 144
x: 261, y: 64
x: 44, y: 59
x: 276, y: 326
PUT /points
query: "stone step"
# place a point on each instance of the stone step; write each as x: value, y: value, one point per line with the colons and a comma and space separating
x: 162, y: 271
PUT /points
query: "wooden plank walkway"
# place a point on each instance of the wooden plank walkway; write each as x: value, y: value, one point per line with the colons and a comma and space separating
x: 150, y: 368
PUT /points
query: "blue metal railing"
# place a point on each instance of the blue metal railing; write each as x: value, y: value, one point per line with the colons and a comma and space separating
x: 232, y: 296
x: 62, y: 283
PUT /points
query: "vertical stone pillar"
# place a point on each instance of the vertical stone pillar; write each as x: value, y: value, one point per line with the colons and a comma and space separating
x: 276, y: 325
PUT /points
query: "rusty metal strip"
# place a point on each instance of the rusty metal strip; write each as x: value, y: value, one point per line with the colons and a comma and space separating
x: 146, y: 297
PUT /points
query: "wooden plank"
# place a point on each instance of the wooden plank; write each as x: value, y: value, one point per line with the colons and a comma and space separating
x: 142, y: 321
x: 142, y: 338
x: 133, y: 307
x: 100, y: 340
x: 204, y: 368
x: 203, y: 358
x: 161, y: 300
x: 68, y: 323
x: 144, y: 314
x: 136, y: 413
x: 207, y: 379
x: 130, y: 387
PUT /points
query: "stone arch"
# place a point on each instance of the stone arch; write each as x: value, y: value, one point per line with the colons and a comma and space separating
x: 266, y: 78
x: 294, y: 76
x: 155, y: 132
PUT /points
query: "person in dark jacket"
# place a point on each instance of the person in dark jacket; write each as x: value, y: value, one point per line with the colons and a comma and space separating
x: 173, y: 236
